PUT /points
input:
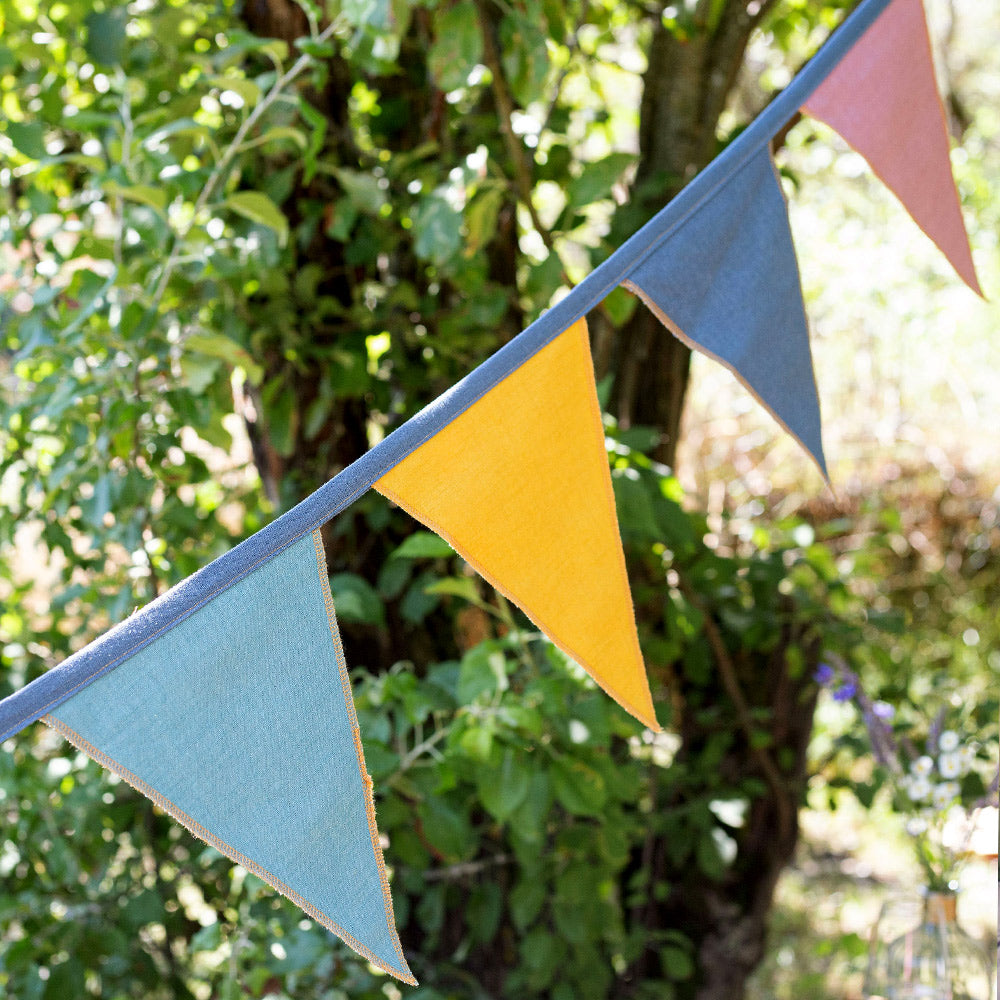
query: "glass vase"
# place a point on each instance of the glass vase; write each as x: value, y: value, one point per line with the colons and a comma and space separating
x: 920, y: 952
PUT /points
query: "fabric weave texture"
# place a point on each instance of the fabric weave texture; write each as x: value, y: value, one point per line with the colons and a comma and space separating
x: 240, y: 723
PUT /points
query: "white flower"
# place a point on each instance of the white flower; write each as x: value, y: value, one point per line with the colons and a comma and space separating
x: 916, y: 826
x: 945, y: 794
x: 967, y: 755
x: 948, y: 741
x: 922, y: 766
x: 951, y: 765
x: 920, y: 789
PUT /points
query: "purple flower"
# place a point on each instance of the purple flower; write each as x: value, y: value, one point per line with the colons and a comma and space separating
x: 824, y: 674
x: 846, y: 691
x: 883, y: 710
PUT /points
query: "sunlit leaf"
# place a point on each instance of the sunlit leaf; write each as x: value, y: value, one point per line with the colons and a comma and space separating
x: 105, y: 38
x: 28, y: 138
x: 259, y: 208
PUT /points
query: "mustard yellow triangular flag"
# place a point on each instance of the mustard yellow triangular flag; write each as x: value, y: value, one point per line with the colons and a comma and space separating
x: 519, y: 485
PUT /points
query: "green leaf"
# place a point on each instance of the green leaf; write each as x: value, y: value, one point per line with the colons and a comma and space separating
x: 483, y: 671
x: 317, y: 412
x: 677, y: 963
x: 318, y: 50
x: 418, y: 601
x: 439, y: 230
x: 65, y: 980
x: 525, y: 54
x: 144, y: 908
x: 423, y: 545
x: 380, y: 761
x: 526, y: 901
x: 619, y: 304
x: 393, y: 578
x: 318, y: 124
x: 28, y: 138
x: 198, y: 372
x: 481, y: 219
x: 247, y: 89
x: 355, y: 600
x: 501, y: 792
x: 463, y: 587
x: 477, y: 742
x: 576, y: 906
x: 635, y: 506
x: 529, y: 819
x: 543, y: 279
x: 282, y: 416
x: 217, y: 345
x: 144, y: 194
x: 274, y: 48
x: 597, y: 179
x: 279, y: 133
x: 716, y: 9
x: 457, y: 48
x: 543, y: 955
x: 105, y: 40
x: 362, y: 190
x: 208, y: 938
x: 447, y: 829
x: 483, y: 911
x: 259, y: 208
x: 579, y: 788
x: 708, y: 857
x: 181, y: 126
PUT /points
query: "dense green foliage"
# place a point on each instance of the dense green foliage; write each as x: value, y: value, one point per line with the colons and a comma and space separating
x: 230, y: 264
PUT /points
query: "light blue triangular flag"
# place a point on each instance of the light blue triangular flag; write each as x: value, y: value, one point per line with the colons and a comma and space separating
x: 239, y: 722
x: 725, y: 280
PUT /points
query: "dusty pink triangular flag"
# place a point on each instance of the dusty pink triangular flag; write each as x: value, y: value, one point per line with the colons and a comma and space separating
x: 883, y: 99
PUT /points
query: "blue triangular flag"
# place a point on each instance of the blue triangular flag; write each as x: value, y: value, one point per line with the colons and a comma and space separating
x: 725, y: 280
x: 239, y: 722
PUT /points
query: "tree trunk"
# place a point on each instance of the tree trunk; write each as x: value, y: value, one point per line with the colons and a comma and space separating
x: 726, y: 918
x: 686, y: 86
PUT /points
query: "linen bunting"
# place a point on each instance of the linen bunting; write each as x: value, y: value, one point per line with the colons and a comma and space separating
x: 239, y: 722
x: 519, y: 485
x: 883, y: 100
x: 227, y: 701
x: 753, y: 322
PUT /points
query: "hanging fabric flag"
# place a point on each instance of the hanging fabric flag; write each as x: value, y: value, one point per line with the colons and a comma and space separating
x: 725, y: 280
x: 883, y: 99
x: 519, y: 485
x: 239, y: 722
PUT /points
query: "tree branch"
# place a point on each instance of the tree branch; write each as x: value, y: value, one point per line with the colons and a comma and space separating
x: 505, y: 109
x: 221, y: 170
x: 727, y: 672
